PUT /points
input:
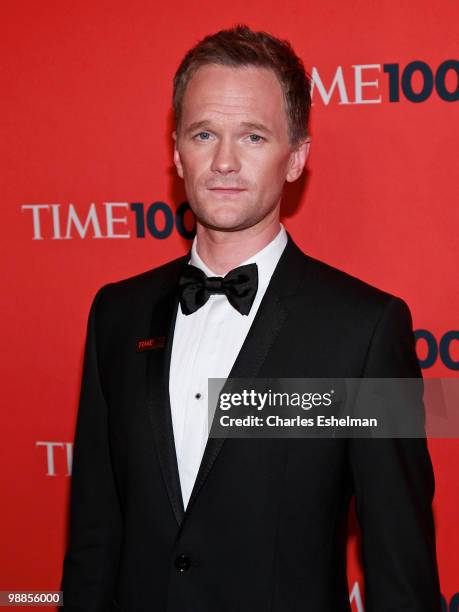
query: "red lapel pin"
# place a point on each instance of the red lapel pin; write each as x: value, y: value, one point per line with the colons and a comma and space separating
x: 151, y: 343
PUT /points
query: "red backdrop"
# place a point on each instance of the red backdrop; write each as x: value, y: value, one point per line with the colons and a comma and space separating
x: 86, y: 123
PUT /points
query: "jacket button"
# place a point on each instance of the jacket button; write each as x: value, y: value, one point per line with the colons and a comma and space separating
x: 182, y: 563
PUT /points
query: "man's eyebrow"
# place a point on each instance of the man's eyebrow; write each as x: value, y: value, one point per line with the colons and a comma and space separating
x: 259, y: 127
x: 205, y: 123
x: 197, y: 125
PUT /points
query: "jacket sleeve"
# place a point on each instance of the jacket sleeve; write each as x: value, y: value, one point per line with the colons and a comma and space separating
x: 394, y: 488
x: 91, y: 561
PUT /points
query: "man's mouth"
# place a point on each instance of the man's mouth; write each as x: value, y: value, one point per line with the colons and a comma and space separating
x: 227, y: 190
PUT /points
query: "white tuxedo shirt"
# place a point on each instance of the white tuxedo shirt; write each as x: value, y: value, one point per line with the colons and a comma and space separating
x: 205, y: 345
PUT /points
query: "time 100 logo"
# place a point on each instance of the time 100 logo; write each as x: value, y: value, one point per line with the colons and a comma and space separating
x: 434, y: 349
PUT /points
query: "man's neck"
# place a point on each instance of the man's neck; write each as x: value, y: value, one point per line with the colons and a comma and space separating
x: 223, y: 251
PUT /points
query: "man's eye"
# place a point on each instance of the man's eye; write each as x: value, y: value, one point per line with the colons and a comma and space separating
x: 203, y: 136
x: 255, y: 138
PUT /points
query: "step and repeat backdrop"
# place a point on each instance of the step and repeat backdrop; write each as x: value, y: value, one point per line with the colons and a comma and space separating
x: 89, y: 195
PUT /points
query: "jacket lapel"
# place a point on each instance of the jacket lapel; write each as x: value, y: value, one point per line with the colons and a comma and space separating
x: 158, y: 364
x: 265, y: 327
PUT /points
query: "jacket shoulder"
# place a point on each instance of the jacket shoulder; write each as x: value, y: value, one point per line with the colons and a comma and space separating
x: 134, y: 292
x: 343, y: 292
x: 339, y: 280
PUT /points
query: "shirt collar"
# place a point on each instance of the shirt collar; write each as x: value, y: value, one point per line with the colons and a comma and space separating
x: 266, y: 259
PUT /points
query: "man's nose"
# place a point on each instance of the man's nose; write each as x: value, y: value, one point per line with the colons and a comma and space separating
x: 225, y: 158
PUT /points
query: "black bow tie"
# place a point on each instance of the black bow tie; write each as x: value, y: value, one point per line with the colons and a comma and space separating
x: 239, y: 285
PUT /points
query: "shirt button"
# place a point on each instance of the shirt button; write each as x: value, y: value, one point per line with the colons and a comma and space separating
x: 198, y: 396
x: 182, y: 563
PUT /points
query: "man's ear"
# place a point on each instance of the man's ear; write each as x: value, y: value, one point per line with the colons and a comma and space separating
x: 177, y: 160
x: 297, y: 160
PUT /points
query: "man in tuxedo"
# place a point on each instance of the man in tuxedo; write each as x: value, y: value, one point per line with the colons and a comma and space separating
x: 164, y: 518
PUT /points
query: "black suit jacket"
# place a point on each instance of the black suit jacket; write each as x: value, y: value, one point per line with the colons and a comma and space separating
x: 265, y: 528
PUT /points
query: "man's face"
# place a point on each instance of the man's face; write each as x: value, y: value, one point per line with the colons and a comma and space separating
x: 232, y: 147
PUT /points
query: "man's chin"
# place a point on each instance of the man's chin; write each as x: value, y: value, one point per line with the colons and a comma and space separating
x: 227, y: 224
x: 221, y: 218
